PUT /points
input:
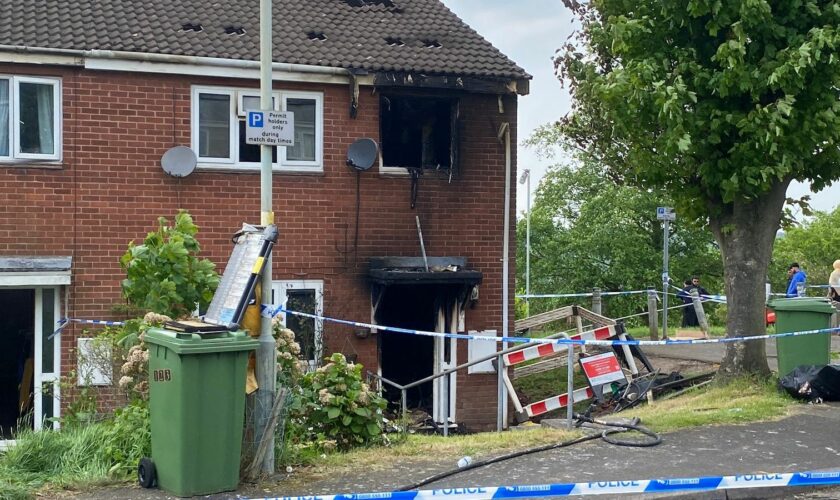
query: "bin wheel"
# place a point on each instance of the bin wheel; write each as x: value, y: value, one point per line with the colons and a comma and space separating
x: 146, y: 474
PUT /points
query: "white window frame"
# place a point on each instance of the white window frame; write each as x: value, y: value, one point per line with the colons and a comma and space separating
x: 319, y: 131
x: 14, y: 118
x: 236, y: 113
x: 279, y: 297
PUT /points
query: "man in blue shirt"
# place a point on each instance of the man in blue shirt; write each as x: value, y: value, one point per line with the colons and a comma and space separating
x: 796, y: 276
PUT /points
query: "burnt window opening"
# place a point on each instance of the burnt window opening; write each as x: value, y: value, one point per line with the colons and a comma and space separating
x: 316, y: 35
x: 431, y: 44
x: 394, y: 41
x: 234, y: 30
x: 419, y: 132
x: 196, y: 27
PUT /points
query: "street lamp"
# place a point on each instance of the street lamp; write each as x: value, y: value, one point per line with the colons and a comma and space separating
x: 526, y: 178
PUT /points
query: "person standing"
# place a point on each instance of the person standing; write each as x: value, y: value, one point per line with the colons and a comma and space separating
x: 834, y: 283
x: 795, y: 276
x: 689, y: 314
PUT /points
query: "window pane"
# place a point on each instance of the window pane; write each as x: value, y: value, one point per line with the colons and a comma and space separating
x: 250, y: 103
x: 214, y: 126
x: 36, y: 118
x: 251, y: 152
x: 304, y: 328
x: 4, y: 117
x: 48, y: 326
x: 304, y: 148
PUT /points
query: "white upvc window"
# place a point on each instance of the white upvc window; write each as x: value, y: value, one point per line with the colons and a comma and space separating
x: 30, y: 118
x: 218, y: 129
x: 306, y: 296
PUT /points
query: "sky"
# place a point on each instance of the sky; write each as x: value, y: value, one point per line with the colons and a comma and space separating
x: 528, y: 32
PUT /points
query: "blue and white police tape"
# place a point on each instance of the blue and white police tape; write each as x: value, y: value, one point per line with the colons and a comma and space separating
x: 582, y: 294
x: 271, y: 311
x: 65, y: 321
x: 707, y: 483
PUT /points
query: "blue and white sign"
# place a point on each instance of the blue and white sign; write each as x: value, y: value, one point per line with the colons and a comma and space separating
x: 270, y: 128
x: 665, y: 213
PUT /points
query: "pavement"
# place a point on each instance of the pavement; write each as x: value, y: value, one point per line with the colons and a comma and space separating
x: 809, y: 440
x: 713, y: 353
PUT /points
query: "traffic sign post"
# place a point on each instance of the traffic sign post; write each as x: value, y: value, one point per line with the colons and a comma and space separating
x: 270, y: 128
x: 666, y: 215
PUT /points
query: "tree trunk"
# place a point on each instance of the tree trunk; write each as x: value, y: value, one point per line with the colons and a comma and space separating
x: 746, y: 230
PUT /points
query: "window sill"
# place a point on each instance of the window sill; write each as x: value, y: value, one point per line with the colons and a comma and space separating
x: 40, y: 164
x: 227, y: 169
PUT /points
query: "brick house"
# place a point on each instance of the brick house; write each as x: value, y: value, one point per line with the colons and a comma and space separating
x: 92, y: 94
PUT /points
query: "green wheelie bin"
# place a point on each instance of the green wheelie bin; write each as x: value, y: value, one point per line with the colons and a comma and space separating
x: 197, y: 407
x: 799, y: 314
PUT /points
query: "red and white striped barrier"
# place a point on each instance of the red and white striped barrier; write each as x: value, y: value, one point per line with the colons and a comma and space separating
x: 543, y: 350
x: 557, y: 402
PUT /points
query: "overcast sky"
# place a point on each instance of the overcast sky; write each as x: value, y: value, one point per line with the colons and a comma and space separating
x: 529, y: 31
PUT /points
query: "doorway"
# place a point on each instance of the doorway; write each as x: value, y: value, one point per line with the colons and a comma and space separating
x: 29, y: 359
x: 17, y: 360
x: 407, y: 358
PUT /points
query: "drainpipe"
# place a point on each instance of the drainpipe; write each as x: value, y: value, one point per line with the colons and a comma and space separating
x: 504, y: 135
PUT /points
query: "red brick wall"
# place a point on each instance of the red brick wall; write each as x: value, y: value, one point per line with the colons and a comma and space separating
x: 110, y: 189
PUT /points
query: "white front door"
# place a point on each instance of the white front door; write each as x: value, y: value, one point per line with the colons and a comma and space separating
x: 47, y: 357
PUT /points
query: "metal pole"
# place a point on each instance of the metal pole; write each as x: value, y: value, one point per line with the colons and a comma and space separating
x: 267, y: 351
x: 570, y: 386
x: 528, y: 249
x: 665, y: 279
x: 501, y: 392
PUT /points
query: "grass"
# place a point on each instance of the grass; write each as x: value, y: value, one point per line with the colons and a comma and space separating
x: 643, y: 332
x: 423, y: 447
x: 536, y: 387
x: 740, y: 401
x: 61, y: 459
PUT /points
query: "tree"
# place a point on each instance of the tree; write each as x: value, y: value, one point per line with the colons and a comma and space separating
x: 721, y: 103
x: 815, y: 245
x: 164, y: 274
x: 589, y: 231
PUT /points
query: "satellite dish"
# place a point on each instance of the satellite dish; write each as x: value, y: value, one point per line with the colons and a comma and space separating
x: 362, y: 154
x: 178, y: 161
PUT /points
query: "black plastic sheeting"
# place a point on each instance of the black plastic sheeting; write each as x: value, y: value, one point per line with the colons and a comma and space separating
x: 813, y: 383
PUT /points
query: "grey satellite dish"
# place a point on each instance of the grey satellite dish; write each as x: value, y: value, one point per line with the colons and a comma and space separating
x: 178, y: 161
x: 362, y: 154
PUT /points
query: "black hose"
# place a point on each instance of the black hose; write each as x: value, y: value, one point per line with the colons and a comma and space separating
x: 604, y: 435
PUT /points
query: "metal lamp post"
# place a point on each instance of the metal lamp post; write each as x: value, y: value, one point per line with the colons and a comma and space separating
x: 525, y: 178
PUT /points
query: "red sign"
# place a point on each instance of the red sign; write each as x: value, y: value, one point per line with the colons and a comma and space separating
x: 602, y: 369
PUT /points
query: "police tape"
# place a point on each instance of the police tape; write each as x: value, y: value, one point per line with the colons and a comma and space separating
x: 695, y: 484
x: 582, y: 294
x: 65, y: 321
x: 271, y: 311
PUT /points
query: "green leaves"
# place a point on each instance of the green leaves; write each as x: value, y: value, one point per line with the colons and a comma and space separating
x: 333, y: 404
x: 164, y: 274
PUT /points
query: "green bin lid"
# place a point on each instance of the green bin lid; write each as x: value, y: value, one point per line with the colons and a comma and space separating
x: 193, y: 343
x: 804, y: 304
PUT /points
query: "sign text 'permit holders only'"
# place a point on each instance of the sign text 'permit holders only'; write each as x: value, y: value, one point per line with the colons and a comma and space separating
x: 270, y: 128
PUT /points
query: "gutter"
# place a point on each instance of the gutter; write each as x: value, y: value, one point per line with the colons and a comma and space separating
x: 111, y: 60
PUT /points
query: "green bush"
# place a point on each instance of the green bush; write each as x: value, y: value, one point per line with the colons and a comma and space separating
x: 128, y: 437
x: 335, y: 409
x: 164, y: 274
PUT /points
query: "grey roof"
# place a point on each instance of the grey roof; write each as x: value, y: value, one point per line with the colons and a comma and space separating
x: 347, y: 33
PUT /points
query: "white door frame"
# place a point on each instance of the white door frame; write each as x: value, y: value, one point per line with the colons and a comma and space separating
x: 440, y: 363
x: 53, y: 377
x: 280, y: 297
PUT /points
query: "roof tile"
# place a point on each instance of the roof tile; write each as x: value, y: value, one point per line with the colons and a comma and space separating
x: 355, y: 35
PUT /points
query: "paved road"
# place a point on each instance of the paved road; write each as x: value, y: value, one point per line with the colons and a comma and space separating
x: 713, y: 353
